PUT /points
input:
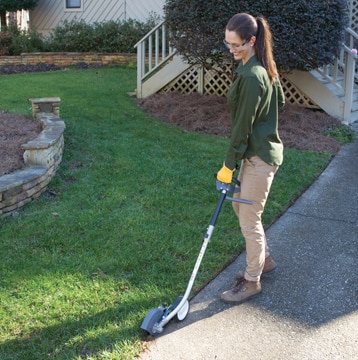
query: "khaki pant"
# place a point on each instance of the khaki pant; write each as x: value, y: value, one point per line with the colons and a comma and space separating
x: 256, y: 178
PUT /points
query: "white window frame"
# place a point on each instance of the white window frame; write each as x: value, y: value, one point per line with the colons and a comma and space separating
x: 80, y: 8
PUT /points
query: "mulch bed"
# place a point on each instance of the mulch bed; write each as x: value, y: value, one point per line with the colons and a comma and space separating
x: 15, y: 130
x: 299, y: 127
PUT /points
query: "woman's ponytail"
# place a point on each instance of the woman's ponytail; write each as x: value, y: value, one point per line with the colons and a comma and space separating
x: 264, y: 48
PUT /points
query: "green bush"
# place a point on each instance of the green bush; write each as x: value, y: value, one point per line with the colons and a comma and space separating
x: 306, y: 34
x: 72, y: 36
x: 5, y: 41
x: 120, y: 36
x: 78, y: 36
x: 25, y: 41
x: 14, y: 41
x: 109, y: 36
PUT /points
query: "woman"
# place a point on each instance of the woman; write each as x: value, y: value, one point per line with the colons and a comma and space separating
x: 254, y: 99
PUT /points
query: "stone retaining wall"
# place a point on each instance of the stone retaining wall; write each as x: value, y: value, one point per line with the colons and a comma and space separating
x: 68, y: 58
x: 42, y: 158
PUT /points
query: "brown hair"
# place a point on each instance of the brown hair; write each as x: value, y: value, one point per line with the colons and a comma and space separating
x: 246, y: 26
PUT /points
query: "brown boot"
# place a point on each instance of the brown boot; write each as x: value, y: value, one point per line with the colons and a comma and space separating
x: 242, y: 291
x: 269, y: 266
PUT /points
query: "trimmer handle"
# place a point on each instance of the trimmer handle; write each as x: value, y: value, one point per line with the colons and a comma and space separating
x: 228, y: 188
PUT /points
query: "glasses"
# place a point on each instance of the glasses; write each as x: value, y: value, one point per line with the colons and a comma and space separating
x: 235, y: 47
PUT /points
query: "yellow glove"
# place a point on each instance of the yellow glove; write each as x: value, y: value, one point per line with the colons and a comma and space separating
x: 225, y: 174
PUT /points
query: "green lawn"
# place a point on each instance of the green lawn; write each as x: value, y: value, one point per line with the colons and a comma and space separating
x: 134, y: 197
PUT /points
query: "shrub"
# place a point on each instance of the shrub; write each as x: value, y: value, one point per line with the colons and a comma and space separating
x: 5, y: 41
x: 306, y: 34
x: 109, y: 36
x: 14, y: 41
x: 71, y: 36
x: 25, y: 41
x: 78, y: 36
x: 120, y: 35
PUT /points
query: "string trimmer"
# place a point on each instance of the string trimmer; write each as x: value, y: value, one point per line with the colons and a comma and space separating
x: 157, y: 318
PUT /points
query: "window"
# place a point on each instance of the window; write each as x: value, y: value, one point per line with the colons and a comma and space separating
x: 73, y: 4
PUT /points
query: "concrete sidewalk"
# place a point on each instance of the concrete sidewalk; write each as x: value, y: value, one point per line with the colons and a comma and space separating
x: 308, y: 308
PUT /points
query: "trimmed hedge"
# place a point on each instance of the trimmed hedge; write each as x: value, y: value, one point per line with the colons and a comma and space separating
x: 306, y: 34
x: 78, y: 36
x: 14, y: 41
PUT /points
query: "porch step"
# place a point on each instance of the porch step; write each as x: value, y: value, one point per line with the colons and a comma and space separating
x: 318, y: 92
x: 326, y: 95
x: 164, y: 75
x: 354, y: 114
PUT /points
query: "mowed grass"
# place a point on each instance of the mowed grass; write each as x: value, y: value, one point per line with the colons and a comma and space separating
x: 120, y: 227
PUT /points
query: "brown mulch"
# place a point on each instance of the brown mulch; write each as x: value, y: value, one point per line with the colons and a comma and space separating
x: 299, y: 127
x: 15, y: 130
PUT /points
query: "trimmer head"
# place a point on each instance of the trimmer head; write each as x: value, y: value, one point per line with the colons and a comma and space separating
x: 153, y: 317
x: 157, y: 318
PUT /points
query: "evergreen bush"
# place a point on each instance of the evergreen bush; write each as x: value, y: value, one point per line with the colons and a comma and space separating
x: 71, y: 36
x: 5, y: 41
x: 110, y: 36
x: 120, y: 36
x: 306, y: 34
x: 78, y: 36
x: 14, y: 41
x: 25, y: 41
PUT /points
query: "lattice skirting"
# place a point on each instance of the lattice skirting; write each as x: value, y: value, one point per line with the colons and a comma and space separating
x: 296, y: 96
x: 218, y: 81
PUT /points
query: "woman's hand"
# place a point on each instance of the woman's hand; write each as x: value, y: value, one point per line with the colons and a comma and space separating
x: 225, y: 174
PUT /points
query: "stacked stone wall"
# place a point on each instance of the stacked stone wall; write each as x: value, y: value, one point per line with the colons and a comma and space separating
x: 42, y: 157
x: 68, y: 59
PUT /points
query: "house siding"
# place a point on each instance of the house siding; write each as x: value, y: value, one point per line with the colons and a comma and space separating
x: 50, y: 13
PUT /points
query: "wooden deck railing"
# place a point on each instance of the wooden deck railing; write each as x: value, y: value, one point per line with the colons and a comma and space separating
x: 152, y: 52
x: 343, y: 73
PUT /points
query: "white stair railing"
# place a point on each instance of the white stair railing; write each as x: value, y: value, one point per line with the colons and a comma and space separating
x: 350, y: 75
x: 153, y: 50
x: 343, y: 73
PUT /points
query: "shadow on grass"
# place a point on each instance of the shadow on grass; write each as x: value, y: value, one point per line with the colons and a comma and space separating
x: 75, y: 338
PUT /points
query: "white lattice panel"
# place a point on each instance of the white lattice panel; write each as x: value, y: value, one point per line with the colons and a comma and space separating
x: 218, y: 81
x: 294, y: 96
x: 186, y: 83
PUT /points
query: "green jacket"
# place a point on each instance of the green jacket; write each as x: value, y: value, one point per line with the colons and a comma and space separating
x: 254, y: 103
